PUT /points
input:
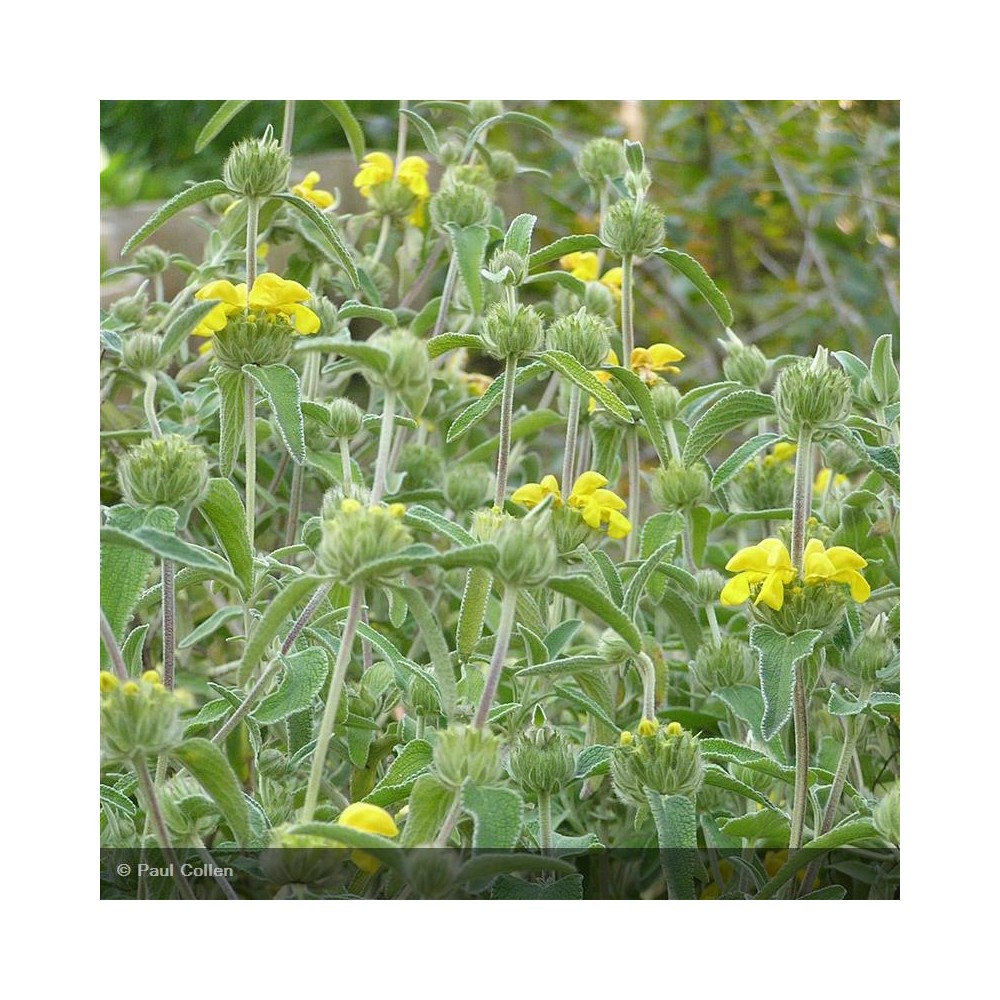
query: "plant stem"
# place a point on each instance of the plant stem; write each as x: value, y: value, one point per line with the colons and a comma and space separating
x: 545, y: 821
x: 628, y: 331
x: 404, y: 124
x: 345, y: 461
x: 220, y: 880
x: 303, y: 620
x: 506, y: 413
x: 248, y: 702
x: 687, y: 537
x: 160, y: 827
x: 713, y: 624
x: 384, y: 443
x: 332, y: 702
x: 288, y: 127
x: 250, y: 447
x: 632, y: 458
x: 253, y: 207
x: 149, y: 404
x: 383, y: 236
x: 169, y: 606
x: 802, y: 495
x: 572, y: 423
x: 801, y: 720
x: 450, y: 280
x: 114, y: 650
x: 675, y: 448
x: 502, y: 640
x: 648, y: 671
x: 310, y: 380
x: 441, y: 840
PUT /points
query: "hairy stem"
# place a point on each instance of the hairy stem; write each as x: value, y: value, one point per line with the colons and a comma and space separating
x: 506, y: 413
x: 648, y: 671
x: 713, y: 624
x: 383, y: 236
x: 802, y: 495
x: 441, y: 840
x: 288, y: 127
x: 450, y: 280
x: 384, y: 445
x: 253, y: 207
x: 345, y: 461
x: 801, y: 721
x: 114, y: 650
x: 632, y: 459
x: 502, y: 641
x: 545, y: 821
x: 310, y: 381
x: 628, y: 307
x: 248, y: 702
x: 169, y: 607
x: 153, y: 810
x: 572, y: 423
x: 404, y: 124
x: 250, y: 448
x: 149, y: 404
x: 332, y: 702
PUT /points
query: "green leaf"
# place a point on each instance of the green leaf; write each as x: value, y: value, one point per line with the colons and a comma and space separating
x: 747, y: 704
x: 560, y: 635
x: 303, y: 674
x: 513, y: 117
x: 844, y: 704
x: 223, y: 509
x: 352, y: 129
x: 190, y: 196
x: 111, y: 798
x: 518, y: 237
x: 561, y: 247
x: 496, y: 816
x: 429, y: 803
x: 677, y: 834
x: 716, y: 748
x: 486, y: 866
x: 209, y: 766
x: 567, y: 665
x: 232, y: 389
x: 609, y: 573
x: 354, y: 309
x: 280, y: 385
x: 739, y: 459
x: 221, y: 117
x: 768, y: 825
x: 570, y: 368
x: 658, y: 529
x: 366, y: 355
x: 586, y: 702
x: 411, y: 762
x: 445, y: 342
x: 180, y: 329
x: 330, y: 238
x: 884, y: 702
x: 827, y: 892
x: 698, y: 277
x: 639, y: 392
x: 208, y: 626
x: 478, y: 409
x: 683, y: 620
x: 694, y: 399
x: 593, y: 760
x: 582, y: 590
x: 469, y: 244
x: 854, y: 366
x: 132, y: 649
x: 437, y: 647
x: 717, y: 777
x: 528, y: 426
x: 637, y: 584
x: 567, y: 887
x: 425, y: 129
x: 561, y: 278
x: 295, y: 591
x: 728, y: 413
x: 777, y: 656
x: 701, y: 523
x: 386, y: 851
x: 430, y: 520
x: 425, y: 555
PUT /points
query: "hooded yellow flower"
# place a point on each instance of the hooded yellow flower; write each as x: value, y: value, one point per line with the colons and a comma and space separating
x: 782, y: 452
x: 306, y: 190
x: 532, y: 494
x: 645, y: 362
x: 598, y: 507
x: 823, y: 479
x: 767, y: 563
x: 837, y: 565
x: 377, y: 168
x: 371, y: 819
x: 585, y: 266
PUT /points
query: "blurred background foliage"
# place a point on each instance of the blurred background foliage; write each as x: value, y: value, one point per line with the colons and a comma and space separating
x: 791, y: 206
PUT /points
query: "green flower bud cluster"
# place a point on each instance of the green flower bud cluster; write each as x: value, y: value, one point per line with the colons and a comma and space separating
x: 511, y: 332
x: 526, y: 549
x: 708, y: 583
x: 257, y: 168
x: 392, y: 198
x: 571, y: 531
x: 190, y: 814
x: 432, y: 874
x: 132, y: 308
x: 502, y: 165
x: 613, y: 648
x: 840, y: 458
x: 666, y: 400
x: 541, y: 760
x: 477, y: 175
x: 874, y: 651
x: 253, y: 339
x: 422, y: 464
x: 666, y: 759
x: 466, y: 486
x: 582, y: 334
x: 461, y: 204
x: 170, y: 471
x: 408, y: 370
x: 329, y: 320
x: 481, y: 110
x: 346, y: 418
x: 631, y: 230
x: 745, y: 364
x: 598, y: 300
x: 508, y: 267
x: 763, y: 486
x: 812, y: 395
x: 142, y: 353
x: 138, y: 718
x: 886, y: 815
x: 486, y: 524
x: 450, y: 153
x: 601, y: 161
x: 818, y: 606
x: 293, y: 860
x: 731, y: 662
x: 381, y: 275
x: 462, y: 754
x: 679, y: 487
x: 354, y: 536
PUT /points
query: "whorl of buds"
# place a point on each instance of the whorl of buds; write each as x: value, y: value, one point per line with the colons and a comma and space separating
x: 527, y: 551
x: 138, y: 719
x: 716, y: 667
x: 467, y: 485
x: 257, y: 168
x: 345, y: 418
x: 170, y: 471
x: 541, y: 760
x: 511, y: 333
x: 679, y: 487
x: 253, y: 339
x: 583, y: 335
x: 354, y: 536
x: 666, y: 759
x: 600, y: 161
x: 502, y: 165
x: 666, y: 400
x: 632, y: 231
x: 812, y: 395
x: 460, y: 204
x: 462, y: 753
x: 142, y: 353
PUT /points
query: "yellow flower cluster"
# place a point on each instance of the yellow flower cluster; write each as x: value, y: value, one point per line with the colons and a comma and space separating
x: 646, y: 362
x: 782, y: 452
x: 377, y: 168
x: 823, y: 480
x: 597, y: 506
x: 586, y: 266
x: 307, y: 191
x: 768, y: 567
x: 349, y: 506
x: 270, y: 295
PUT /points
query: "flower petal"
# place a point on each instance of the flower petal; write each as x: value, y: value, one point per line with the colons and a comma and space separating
x: 587, y: 483
x: 772, y: 593
x: 618, y: 525
x: 306, y: 321
x: 736, y: 591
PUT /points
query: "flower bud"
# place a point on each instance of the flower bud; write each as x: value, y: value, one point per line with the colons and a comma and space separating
x: 571, y: 531
x: 731, y: 662
x: 432, y: 874
x: 583, y: 335
x: 466, y: 486
x: 813, y: 395
x: 516, y: 267
x: 190, y: 814
x: 744, y: 363
x: 763, y: 486
x: 708, y: 583
x: 345, y: 418
x: 666, y: 400
x: 475, y: 174
x: 141, y: 353
x: 329, y: 320
x: 422, y: 464
x: 392, y: 198
x: 527, y: 551
x: 381, y: 275
x: 152, y: 259
x: 301, y: 859
x: 839, y: 457
x: 874, y: 650
x: 132, y: 308
x: 254, y: 339
x: 355, y: 535
x: 257, y: 168
x: 511, y: 333
x: 679, y: 486
x: 139, y: 719
x: 886, y: 815
x: 459, y: 203
x: 613, y: 648
x: 542, y: 760
x: 632, y: 231
x: 408, y: 373
x: 450, y: 153
x: 600, y: 161
x: 221, y: 203
x: 462, y: 753
x: 481, y: 110
x: 503, y: 165
x: 486, y: 524
x: 667, y: 760
x: 818, y: 606
x: 171, y: 470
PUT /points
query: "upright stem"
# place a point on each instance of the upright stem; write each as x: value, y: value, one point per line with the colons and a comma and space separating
x: 253, y: 207
x: 149, y: 404
x: 288, y: 127
x: 713, y: 624
x: 404, y: 124
x: 303, y: 620
x: 687, y: 537
x: 450, y: 280
x: 248, y: 702
x: 602, y: 214
x: 648, y: 672
x: 345, y: 460
x: 332, y: 702
x: 672, y: 443
x: 628, y: 331
x: 441, y: 840
x: 506, y: 413
x: 632, y: 459
x: 545, y: 821
x: 384, y: 445
x: 310, y: 380
x: 250, y: 442
x: 114, y: 650
x: 152, y: 805
x: 169, y: 605
x: 572, y: 424
x: 502, y: 641
x: 801, y: 720
x: 383, y: 236
x: 802, y: 495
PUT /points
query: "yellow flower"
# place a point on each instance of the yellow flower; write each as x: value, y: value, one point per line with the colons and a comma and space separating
x: 581, y: 265
x: 612, y: 279
x: 263, y: 249
x: 767, y: 563
x: 837, y: 565
x: 371, y: 819
x: 823, y: 479
x: 648, y: 727
x: 476, y: 382
x: 603, y: 376
x: 646, y: 361
x: 532, y: 494
x: 597, y: 506
x: 376, y: 168
x: 783, y: 451
x: 306, y: 190
x: 108, y: 682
